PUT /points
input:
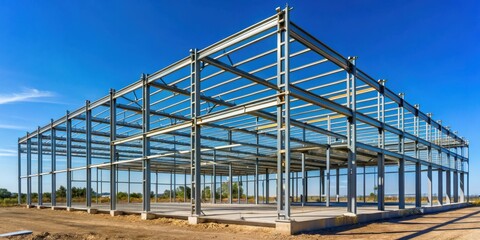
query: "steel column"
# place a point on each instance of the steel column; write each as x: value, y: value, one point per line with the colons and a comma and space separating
x: 440, y: 187
x: 113, y: 151
x: 418, y: 184
x: 230, y: 181
x: 214, y: 178
x: 29, y: 171
x: 352, y: 139
x: 401, y: 162
x: 40, y: 166
x: 156, y: 186
x: 255, y: 185
x: 246, y: 188
x: 468, y: 172
x: 267, y: 186
x: 88, y: 152
x: 128, y: 186
x: 448, y: 182
x: 283, y: 116
x: 327, y: 159
x: 455, y: 185
x: 462, y: 187
x: 429, y: 186
x: 239, y: 182
x: 337, y: 184
x: 19, y: 172
x: 304, y: 181
x: 195, y: 158
x: 185, y: 186
x: 146, y: 164
x: 381, y: 181
x: 69, y: 160
x: 96, y: 195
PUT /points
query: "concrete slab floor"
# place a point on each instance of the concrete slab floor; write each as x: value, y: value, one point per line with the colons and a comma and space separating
x: 262, y: 213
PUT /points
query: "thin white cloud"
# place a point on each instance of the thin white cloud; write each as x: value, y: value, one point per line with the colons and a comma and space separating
x: 27, y: 95
x: 12, y: 127
x: 8, y: 153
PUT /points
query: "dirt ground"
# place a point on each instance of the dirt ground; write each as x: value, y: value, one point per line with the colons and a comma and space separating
x: 47, y: 224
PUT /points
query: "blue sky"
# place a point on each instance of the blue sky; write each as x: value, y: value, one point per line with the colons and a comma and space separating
x: 56, y: 54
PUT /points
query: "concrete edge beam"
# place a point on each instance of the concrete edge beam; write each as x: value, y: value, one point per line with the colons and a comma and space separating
x: 293, y: 227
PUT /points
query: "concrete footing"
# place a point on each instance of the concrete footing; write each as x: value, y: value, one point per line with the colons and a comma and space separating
x: 57, y: 208
x: 193, y: 220
x: 92, y: 211
x: 114, y: 213
x: 30, y: 206
x: 41, y: 207
x: 147, y: 216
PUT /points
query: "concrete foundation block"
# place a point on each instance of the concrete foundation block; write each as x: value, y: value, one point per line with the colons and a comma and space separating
x: 30, y: 206
x: 194, y: 220
x: 92, y: 211
x: 286, y: 227
x: 41, y: 207
x: 70, y: 209
x: 114, y: 213
x: 147, y: 216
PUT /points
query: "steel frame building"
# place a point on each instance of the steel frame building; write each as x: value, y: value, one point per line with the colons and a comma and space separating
x: 269, y: 99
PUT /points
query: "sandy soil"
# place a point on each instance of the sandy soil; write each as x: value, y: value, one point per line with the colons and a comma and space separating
x: 47, y: 224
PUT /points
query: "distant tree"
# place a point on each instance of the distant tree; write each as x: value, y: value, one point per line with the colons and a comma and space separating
x: 166, y: 194
x: 47, y: 195
x: 135, y: 195
x: 122, y: 195
x: 181, y: 191
x: 225, y: 190
x: 206, y: 193
x: 4, y: 193
x: 61, y: 192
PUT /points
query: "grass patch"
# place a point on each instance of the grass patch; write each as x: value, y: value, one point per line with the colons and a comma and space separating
x: 8, y: 202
